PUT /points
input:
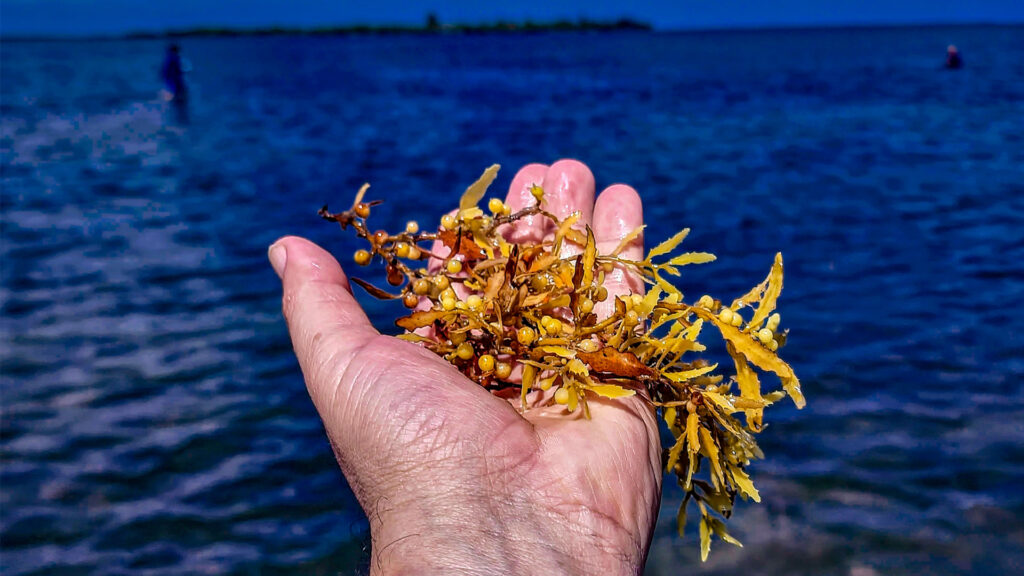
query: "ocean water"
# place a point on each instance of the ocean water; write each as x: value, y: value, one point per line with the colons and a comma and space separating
x: 155, y: 421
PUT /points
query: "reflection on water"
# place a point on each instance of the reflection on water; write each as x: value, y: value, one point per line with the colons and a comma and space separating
x: 154, y: 418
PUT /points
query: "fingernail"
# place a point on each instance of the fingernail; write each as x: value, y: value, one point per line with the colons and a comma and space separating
x: 278, y: 258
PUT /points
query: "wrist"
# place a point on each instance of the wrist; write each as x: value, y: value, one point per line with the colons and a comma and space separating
x: 472, y: 540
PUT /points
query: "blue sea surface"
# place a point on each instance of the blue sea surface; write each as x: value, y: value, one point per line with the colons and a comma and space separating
x: 154, y: 419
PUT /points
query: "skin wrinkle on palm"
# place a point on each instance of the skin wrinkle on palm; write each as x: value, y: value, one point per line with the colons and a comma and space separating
x: 402, y: 394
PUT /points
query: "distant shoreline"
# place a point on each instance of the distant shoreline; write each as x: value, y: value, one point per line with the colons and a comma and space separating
x: 499, y: 27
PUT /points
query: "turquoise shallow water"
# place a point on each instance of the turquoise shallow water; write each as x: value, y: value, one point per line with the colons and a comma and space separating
x: 154, y: 419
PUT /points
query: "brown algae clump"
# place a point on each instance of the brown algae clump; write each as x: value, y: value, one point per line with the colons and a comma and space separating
x: 518, y: 318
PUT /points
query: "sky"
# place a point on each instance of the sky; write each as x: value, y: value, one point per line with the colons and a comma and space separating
x: 91, y: 17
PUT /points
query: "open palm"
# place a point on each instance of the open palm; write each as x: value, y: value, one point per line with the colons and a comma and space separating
x: 453, y: 479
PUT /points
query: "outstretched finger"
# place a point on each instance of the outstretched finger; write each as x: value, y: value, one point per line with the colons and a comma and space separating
x: 530, y: 228
x: 618, y: 212
x: 568, y: 188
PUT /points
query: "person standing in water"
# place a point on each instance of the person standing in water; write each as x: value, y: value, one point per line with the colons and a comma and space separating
x: 174, y: 75
x: 953, y: 59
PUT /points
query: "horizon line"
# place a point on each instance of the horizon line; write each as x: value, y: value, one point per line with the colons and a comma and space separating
x: 495, y: 27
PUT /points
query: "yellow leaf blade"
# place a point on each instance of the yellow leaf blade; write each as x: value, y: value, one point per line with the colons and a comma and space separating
x: 574, y: 399
x: 674, y: 453
x: 692, y: 433
x: 767, y: 303
x: 666, y: 285
x: 471, y: 197
x: 669, y: 414
x: 690, y: 374
x: 589, y: 258
x: 792, y: 387
x: 564, y: 228
x: 529, y: 375
x: 744, y: 485
x: 576, y: 367
x: 705, y: 538
x: 668, y: 245
x: 611, y: 391
x: 693, y: 330
x: 558, y: 351
x: 720, y: 401
x: 412, y: 337
x: 692, y: 258
x: 750, y: 386
x: 710, y: 448
x: 649, y: 301
x: 629, y: 238
x: 718, y: 527
x: 755, y: 353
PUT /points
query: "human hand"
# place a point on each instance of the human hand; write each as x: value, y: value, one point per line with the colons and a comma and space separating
x: 453, y: 479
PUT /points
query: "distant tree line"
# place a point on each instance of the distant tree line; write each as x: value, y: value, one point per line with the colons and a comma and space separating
x: 432, y: 25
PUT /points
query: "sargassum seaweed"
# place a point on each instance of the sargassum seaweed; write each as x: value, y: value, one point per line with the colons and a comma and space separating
x: 519, y: 318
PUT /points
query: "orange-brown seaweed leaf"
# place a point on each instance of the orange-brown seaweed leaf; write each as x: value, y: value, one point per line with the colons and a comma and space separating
x: 482, y: 241
x: 512, y: 264
x: 494, y: 285
x: 577, y: 281
x: 420, y: 319
x: 462, y: 245
x: 610, y: 361
x: 588, y: 259
x: 471, y: 197
x: 374, y: 291
x: 536, y: 299
x: 767, y: 303
x: 360, y: 194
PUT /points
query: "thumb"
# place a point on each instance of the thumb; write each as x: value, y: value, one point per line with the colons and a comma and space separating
x: 376, y: 395
x: 358, y: 379
x: 327, y: 326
